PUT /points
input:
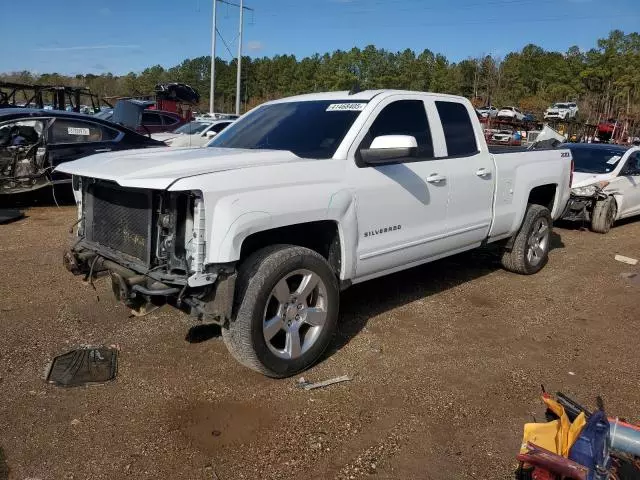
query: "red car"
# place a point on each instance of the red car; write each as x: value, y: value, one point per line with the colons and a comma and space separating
x: 150, y: 121
x: 158, y: 121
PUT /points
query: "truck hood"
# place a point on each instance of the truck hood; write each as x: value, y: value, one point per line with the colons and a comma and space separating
x: 582, y: 179
x: 158, y: 168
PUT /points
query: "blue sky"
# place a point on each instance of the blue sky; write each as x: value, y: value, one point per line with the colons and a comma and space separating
x: 96, y: 36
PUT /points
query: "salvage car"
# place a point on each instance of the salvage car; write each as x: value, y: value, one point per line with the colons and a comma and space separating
x: 511, y: 113
x: 34, y: 142
x: 506, y: 137
x: 606, y: 184
x: 301, y: 198
x: 561, y: 111
x: 193, y: 134
x: 488, y: 111
x: 148, y: 121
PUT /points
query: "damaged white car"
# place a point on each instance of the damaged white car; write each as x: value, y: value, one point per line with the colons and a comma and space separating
x: 606, y: 184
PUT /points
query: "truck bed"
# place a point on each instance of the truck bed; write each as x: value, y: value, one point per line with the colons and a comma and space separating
x: 498, y: 149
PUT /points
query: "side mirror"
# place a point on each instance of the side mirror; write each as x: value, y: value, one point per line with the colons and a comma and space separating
x: 388, y: 149
x: 211, y: 134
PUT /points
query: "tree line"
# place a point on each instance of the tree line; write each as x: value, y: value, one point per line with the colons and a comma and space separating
x: 605, y: 80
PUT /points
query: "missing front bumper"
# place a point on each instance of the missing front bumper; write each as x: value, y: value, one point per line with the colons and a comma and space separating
x: 145, y: 291
x: 579, y: 209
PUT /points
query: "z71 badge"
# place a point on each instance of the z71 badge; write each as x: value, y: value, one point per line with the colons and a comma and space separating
x: 382, y: 230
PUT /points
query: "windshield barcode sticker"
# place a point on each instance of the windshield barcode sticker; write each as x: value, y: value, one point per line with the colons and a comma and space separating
x: 78, y: 131
x: 346, y: 107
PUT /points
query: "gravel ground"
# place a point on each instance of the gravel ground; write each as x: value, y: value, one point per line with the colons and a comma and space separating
x: 447, y: 361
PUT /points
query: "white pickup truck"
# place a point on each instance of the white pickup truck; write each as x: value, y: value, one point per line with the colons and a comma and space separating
x: 301, y: 198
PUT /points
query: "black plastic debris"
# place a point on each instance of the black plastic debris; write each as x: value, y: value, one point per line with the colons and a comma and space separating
x: 10, y: 214
x: 84, y: 366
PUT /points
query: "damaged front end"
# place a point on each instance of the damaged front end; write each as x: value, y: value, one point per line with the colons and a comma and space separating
x: 23, y: 158
x: 152, y: 245
x: 583, y: 200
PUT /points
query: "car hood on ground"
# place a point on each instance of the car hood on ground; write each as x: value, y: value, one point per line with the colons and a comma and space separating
x: 161, y: 167
x: 583, y: 179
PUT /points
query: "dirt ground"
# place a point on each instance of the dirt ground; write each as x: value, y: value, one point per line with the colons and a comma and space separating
x: 447, y: 361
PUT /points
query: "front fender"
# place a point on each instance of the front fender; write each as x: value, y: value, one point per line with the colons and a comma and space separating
x: 234, y: 218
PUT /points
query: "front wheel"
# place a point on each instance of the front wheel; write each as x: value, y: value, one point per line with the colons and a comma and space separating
x: 529, y: 251
x: 287, y: 301
x: 603, y: 215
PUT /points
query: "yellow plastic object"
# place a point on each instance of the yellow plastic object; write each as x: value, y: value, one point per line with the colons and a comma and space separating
x: 576, y: 427
x: 557, y: 436
x: 541, y: 434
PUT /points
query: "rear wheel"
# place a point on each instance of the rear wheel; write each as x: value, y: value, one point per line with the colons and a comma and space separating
x: 604, y: 215
x: 529, y: 251
x: 286, y: 313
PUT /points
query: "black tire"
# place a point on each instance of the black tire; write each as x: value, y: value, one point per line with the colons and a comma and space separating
x: 517, y: 258
x: 604, y: 215
x: 257, y: 278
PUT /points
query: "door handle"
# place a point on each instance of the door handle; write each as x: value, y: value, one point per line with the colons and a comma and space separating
x: 102, y: 150
x: 435, y: 178
x: 483, y: 172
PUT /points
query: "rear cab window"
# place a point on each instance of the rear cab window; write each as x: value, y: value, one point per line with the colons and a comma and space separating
x: 459, y: 134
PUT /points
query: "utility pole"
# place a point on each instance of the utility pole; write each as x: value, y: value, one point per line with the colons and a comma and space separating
x: 214, y: 34
x: 239, y: 77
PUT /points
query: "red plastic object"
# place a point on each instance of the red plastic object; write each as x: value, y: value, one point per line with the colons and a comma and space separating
x: 549, y: 461
x: 542, y: 474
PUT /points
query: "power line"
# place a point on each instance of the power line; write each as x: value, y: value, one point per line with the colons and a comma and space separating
x: 235, y: 5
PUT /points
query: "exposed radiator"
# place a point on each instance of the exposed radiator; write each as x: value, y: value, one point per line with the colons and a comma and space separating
x: 121, y: 219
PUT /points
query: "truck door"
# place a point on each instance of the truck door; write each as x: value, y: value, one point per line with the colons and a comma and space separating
x: 471, y: 175
x: 401, y: 207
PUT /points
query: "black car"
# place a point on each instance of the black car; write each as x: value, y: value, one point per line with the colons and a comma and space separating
x: 34, y: 142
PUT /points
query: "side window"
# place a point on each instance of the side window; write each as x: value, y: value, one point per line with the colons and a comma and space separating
x: 151, y: 119
x: 633, y: 165
x: 109, y: 134
x: 458, y: 130
x: 169, y: 120
x: 21, y: 132
x: 77, y: 131
x: 219, y: 127
x: 403, y: 117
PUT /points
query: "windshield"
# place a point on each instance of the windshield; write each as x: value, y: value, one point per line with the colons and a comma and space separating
x: 592, y: 160
x: 192, y: 128
x: 561, y: 105
x: 312, y: 129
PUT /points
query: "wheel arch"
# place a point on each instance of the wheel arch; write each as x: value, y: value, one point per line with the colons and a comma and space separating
x: 321, y: 236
